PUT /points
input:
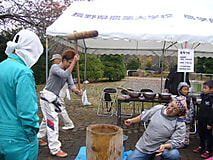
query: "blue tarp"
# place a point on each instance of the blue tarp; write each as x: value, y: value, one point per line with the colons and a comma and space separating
x: 82, y: 154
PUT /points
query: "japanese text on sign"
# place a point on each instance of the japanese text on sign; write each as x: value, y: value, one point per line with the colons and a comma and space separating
x: 185, y: 60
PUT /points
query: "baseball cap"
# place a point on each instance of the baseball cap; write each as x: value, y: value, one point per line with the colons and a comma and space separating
x: 56, y: 56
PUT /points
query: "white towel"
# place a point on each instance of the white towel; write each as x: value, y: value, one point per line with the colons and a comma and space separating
x: 26, y: 45
x: 84, y: 99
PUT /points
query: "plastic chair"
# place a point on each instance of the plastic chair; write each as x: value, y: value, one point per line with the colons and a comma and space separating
x: 107, y: 102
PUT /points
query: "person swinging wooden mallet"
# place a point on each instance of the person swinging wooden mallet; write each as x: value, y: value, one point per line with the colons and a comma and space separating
x: 81, y: 35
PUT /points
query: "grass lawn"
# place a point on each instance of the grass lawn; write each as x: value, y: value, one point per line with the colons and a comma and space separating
x: 94, y: 91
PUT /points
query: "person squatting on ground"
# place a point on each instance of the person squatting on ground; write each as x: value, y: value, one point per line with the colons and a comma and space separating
x: 205, y: 120
x: 183, y: 90
x: 19, y: 123
x: 50, y: 106
x: 64, y: 93
x: 165, y: 132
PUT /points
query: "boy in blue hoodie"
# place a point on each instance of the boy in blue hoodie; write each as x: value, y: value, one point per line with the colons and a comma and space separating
x: 205, y: 120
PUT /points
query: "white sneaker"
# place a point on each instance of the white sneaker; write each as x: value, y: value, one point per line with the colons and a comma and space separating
x: 67, y: 127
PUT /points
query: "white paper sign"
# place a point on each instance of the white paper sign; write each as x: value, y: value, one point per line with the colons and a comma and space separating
x: 185, y: 60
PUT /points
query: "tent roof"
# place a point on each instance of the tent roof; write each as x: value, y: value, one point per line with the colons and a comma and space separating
x: 138, y: 26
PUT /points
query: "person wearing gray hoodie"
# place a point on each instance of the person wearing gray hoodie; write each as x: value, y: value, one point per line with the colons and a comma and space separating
x: 165, y: 132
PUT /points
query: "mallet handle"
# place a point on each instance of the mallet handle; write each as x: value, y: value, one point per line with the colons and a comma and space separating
x: 82, y: 35
x: 78, y: 71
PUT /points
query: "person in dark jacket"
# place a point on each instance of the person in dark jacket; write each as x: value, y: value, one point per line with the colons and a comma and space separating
x: 205, y: 120
x: 173, y: 79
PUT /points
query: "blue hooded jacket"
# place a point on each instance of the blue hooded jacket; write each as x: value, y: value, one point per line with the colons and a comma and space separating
x: 18, y: 101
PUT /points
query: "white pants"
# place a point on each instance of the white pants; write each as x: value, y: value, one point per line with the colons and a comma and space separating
x: 64, y: 115
x: 49, y: 126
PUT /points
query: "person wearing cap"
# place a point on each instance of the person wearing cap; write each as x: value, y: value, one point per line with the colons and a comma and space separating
x: 56, y: 58
x: 183, y: 90
x: 19, y: 123
x: 165, y: 132
x: 59, y: 74
x: 64, y: 93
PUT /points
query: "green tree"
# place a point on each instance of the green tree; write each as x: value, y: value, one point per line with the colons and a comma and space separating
x: 133, y: 63
x: 94, y: 67
x: 148, y: 63
x: 114, y: 67
x: 204, y: 65
x: 199, y: 67
x: 208, y: 65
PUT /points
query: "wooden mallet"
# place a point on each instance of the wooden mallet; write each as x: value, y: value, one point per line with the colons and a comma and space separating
x: 80, y: 35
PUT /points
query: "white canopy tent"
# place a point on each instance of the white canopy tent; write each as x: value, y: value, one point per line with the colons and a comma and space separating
x: 158, y: 27
x: 138, y: 26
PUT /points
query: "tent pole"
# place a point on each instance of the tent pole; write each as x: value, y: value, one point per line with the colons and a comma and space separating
x: 184, y: 74
x: 162, y: 59
x: 46, y: 58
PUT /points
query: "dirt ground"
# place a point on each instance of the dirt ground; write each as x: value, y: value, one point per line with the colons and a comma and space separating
x: 72, y: 140
x: 83, y: 116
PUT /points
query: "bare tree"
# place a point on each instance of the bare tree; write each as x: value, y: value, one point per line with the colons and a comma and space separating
x: 35, y: 14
